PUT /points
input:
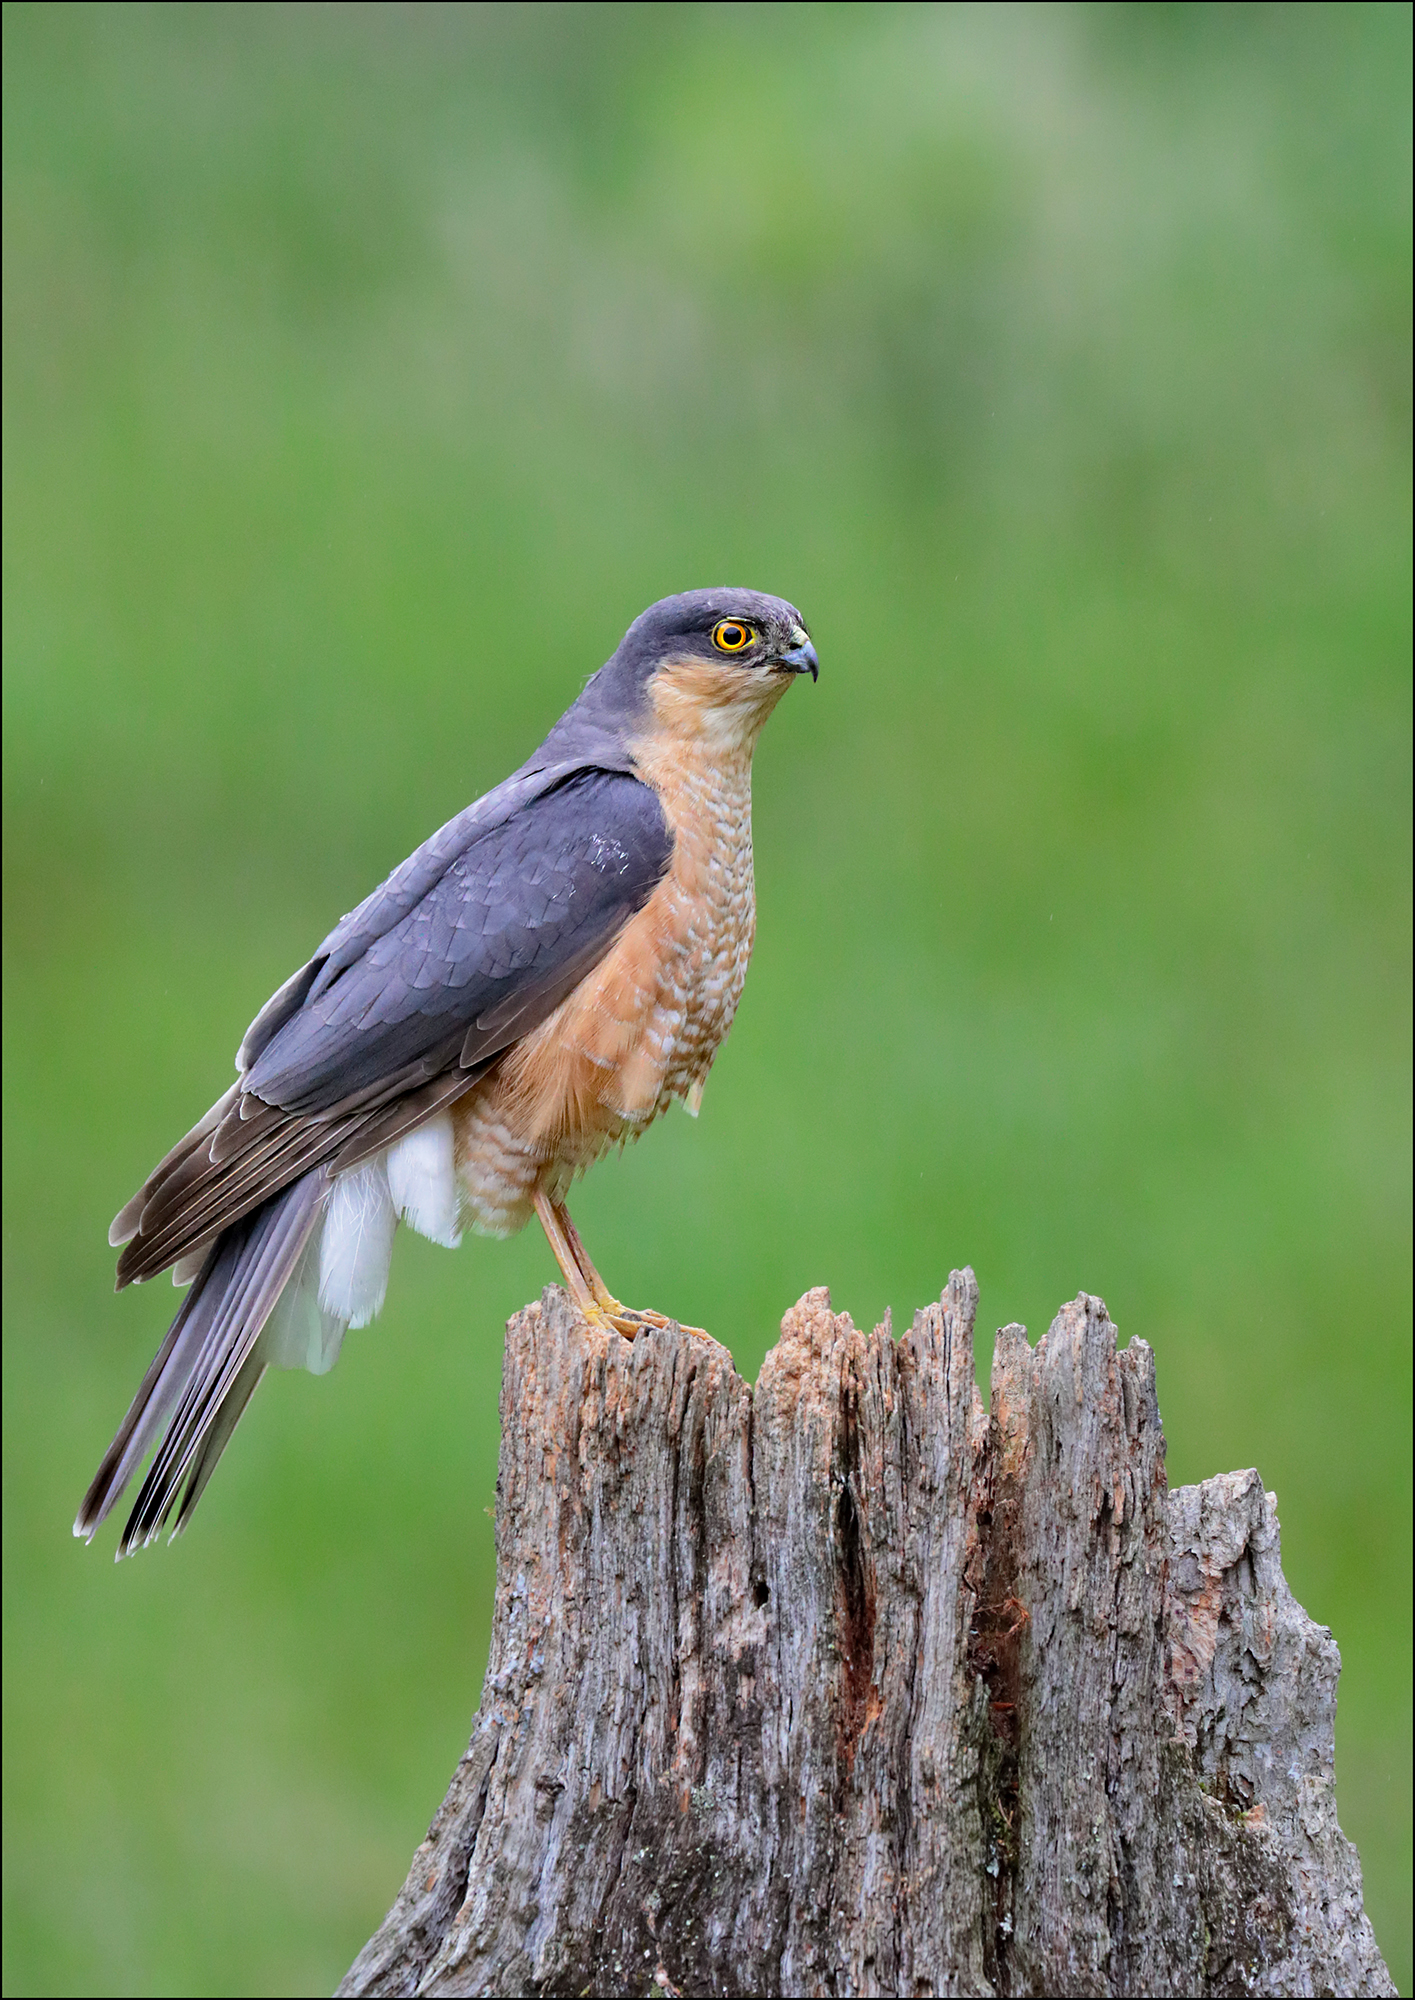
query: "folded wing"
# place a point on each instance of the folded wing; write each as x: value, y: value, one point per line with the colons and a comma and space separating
x: 463, y: 951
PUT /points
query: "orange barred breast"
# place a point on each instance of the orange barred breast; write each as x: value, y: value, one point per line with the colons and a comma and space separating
x: 644, y: 1026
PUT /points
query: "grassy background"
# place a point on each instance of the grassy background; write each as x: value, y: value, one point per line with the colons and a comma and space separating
x: 367, y: 368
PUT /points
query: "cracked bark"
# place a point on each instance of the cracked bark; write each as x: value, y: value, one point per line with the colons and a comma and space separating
x: 843, y: 1685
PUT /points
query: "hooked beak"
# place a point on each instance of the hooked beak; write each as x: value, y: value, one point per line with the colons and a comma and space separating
x: 801, y: 659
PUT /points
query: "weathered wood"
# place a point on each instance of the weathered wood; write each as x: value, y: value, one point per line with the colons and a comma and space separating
x: 841, y: 1685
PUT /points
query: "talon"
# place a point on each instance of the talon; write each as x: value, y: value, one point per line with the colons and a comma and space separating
x: 645, y: 1316
x: 607, y: 1322
x: 632, y: 1321
x: 658, y: 1319
x: 588, y: 1290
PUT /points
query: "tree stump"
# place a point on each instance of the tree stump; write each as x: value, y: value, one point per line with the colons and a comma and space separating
x: 842, y: 1685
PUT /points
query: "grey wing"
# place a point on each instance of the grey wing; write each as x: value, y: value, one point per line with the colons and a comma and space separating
x: 369, y: 1047
x: 398, y: 894
x: 510, y: 928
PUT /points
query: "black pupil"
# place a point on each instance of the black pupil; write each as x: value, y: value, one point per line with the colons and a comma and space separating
x: 732, y: 635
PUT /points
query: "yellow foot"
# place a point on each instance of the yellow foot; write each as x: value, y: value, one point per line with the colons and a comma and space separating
x: 627, y: 1314
x: 607, y: 1322
x: 610, y: 1316
x: 587, y: 1288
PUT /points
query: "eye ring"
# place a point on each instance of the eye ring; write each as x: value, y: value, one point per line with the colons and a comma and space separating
x: 732, y: 635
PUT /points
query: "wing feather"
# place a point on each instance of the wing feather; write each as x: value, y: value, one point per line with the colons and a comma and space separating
x: 465, y: 949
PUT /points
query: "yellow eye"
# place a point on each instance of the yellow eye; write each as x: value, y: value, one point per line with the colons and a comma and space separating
x: 731, y: 635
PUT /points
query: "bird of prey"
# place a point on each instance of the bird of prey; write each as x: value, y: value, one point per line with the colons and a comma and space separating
x: 533, y: 986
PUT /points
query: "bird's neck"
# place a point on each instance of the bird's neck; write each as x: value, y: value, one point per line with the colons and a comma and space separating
x: 694, y: 712
x: 703, y: 778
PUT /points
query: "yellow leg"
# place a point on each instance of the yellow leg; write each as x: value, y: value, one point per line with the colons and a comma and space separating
x: 563, y: 1251
x: 602, y: 1294
x: 586, y: 1287
x: 619, y: 1312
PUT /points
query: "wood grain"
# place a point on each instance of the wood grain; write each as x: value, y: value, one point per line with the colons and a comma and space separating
x: 845, y: 1685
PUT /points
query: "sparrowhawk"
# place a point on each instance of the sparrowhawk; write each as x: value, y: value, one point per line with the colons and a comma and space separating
x: 533, y: 986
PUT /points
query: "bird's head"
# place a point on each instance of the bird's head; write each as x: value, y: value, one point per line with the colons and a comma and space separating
x: 712, y: 662
x: 707, y: 664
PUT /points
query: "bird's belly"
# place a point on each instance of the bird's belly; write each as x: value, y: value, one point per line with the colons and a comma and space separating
x: 641, y: 1029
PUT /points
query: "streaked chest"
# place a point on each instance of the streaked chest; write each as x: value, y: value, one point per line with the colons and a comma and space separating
x: 700, y: 922
x: 642, y: 1028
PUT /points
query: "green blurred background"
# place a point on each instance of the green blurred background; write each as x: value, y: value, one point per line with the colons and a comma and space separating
x: 367, y: 368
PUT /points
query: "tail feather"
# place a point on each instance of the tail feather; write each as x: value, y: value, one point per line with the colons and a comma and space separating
x: 232, y: 1409
x: 157, y: 1392
x: 277, y: 1287
x: 254, y: 1262
x: 207, y: 1367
